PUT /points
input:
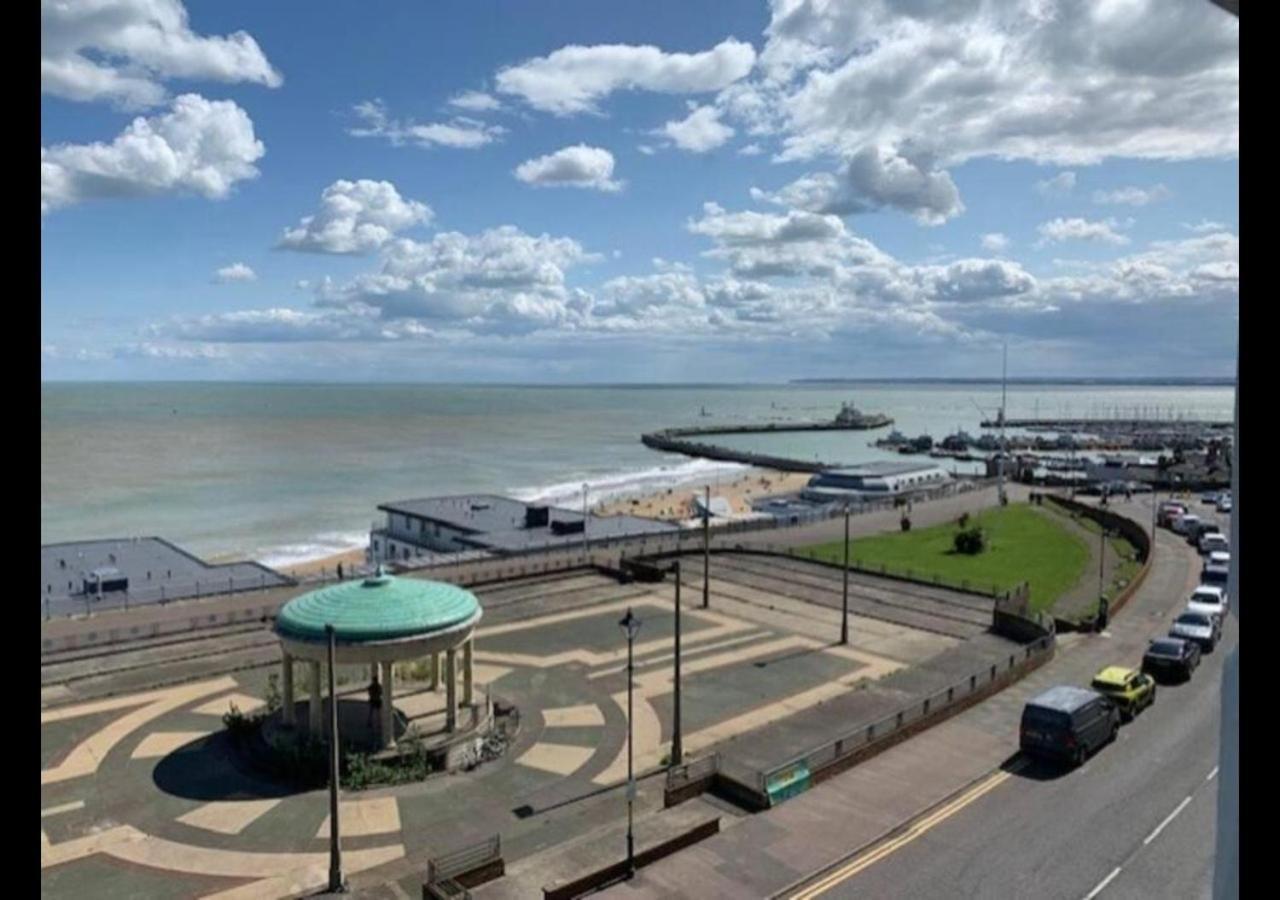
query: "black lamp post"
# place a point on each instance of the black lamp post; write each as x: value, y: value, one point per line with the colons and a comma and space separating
x: 844, y: 606
x: 630, y: 626
x: 677, y: 739
x: 706, y: 550
x: 337, y: 884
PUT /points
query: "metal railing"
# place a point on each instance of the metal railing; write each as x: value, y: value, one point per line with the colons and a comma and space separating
x: 79, y: 604
x: 465, y: 859
x: 828, y: 753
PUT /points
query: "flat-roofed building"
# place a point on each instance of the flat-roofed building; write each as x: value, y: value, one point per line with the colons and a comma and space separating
x: 488, y: 522
x: 874, y: 481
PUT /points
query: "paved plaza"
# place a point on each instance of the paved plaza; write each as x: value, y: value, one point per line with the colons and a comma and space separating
x: 142, y: 795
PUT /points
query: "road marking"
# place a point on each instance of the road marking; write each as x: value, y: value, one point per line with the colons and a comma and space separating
x: 1167, y: 819
x: 65, y: 807
x: 852, y: 868
x: 1102, y: 884
x: 1211, y: 775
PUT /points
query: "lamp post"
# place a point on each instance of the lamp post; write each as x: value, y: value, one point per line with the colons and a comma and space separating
x: 337, y: 884
x: 585, y: 488
x: 630, y: 626
x: 844, y: 604
x: 677, y: 739
x: 706, y: 550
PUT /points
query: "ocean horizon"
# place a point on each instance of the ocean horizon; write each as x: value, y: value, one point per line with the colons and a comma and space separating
x: 285, y: 472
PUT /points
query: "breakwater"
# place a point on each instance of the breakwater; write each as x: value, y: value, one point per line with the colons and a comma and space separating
x: 1100, y: 424
x: 685, y: 441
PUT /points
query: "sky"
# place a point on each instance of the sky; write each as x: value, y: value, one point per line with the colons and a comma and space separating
x: 608, y: 191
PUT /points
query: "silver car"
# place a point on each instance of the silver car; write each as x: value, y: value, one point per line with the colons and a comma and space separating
x: 1203, y: 628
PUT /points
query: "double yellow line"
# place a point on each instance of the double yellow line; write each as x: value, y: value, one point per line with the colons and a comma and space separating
x: 915, y: 830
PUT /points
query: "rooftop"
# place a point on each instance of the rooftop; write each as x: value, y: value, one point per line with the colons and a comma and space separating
x: 885, y: 468
x: 498, y: 523
x: 1064, y: 698
x: 378, y: 608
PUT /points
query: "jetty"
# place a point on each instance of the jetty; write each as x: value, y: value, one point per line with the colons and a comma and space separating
x: 685, y: 440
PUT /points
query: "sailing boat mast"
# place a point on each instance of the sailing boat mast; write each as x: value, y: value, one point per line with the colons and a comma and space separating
x: 1004, y: 377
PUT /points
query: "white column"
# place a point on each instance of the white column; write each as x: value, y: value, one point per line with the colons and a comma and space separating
x: 451, y: 690
x: 287, y: 712
x: 467, y: 674
x: 314, y: 719
x: 388, y: 720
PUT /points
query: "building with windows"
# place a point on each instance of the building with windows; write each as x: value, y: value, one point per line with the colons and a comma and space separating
x: 874, y: 481
x: 486, y: 522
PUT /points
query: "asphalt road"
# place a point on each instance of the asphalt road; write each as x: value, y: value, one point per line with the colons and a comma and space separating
x: 1137, y: 820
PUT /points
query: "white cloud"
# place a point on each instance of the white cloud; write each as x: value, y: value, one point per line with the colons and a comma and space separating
x: 751, y: 150
x: 182, y: 352
x: 576, y: 166
x: 872, y: 180
x: 1075, y: 229
x: 1058, y: 185
x: 234, y: 272
x: 645, y: 149
x: 995, y: 242
x: 121, y: 50
x: 201, y: 146
x: 355, y: 217
x: 1056, y: 83
x: 460, y: 133
x: 476, y: 101
x: 573, y: 78
x: 698, y: 132
x: 1204, y: 226
x: 1133, y: 196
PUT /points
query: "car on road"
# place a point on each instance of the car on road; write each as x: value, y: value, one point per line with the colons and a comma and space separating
x: 1202, y: 628
x: 1218, y: 576
x: 1168, y: 656
x: 1219, y: 558
x: 1169, y: 510
x: 1184, y: 523
x: 1200, y: 529
x: 1209, y: 600
x: 1224, y: 504
x: 1210, y: 497
x: 1213, y: 540
x: 1130, y: 689
x: 1068, y: 723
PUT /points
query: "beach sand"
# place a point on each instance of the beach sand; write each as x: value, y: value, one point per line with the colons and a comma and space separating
x: 677, y: 502
x: 671, y: 504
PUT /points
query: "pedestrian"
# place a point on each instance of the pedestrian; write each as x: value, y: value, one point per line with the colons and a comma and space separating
x: 339, y: 571
x: 375, y: 699
x: 1102, y: 614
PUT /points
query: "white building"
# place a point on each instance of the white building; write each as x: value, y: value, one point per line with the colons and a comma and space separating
x: 874, y: 481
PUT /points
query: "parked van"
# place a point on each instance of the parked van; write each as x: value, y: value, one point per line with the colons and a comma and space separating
x: 1213, y: 540
x: 1068, y: 723
x: 1184, y: 524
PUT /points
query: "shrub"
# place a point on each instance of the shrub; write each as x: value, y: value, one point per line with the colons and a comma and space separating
x: 238, y: 724
x: 274, y: 700
x: 905, y: 523
x: 970, y: 541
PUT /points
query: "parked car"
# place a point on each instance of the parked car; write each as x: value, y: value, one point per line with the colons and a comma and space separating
x: 1219, y: 558
x: 1199, y: 627
x: 1210, y: 600
x: 1224, y: 503
x: 1213, y: 540
x: 1171, y: 656
x: 1184, y: 523
x: 1218, y: 576
x: 1131, y: 690
x: 1210, y: 497
x: 1068, y: 723
x: 1169, y: 510
x: 1199, y: 530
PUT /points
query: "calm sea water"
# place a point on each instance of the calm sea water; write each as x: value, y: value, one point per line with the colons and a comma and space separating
x: 289, y: 472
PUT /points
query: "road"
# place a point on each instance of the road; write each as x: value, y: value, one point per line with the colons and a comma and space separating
x: 1137, y: 820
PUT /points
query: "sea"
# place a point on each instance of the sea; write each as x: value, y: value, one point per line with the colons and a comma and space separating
x: 285, y: 473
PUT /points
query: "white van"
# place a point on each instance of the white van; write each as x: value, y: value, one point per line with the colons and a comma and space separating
x: 1184, y: 524
x: 1214, y: 541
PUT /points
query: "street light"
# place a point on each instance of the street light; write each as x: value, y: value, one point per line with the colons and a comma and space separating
x: 630, y: 626
x: 706, y: 550
x: 585, y: 488
x: 337, y: 884
x: 677, y: 739
x: 844, y: 605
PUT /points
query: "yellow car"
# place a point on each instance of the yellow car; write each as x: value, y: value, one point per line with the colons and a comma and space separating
x: 1131, y: 689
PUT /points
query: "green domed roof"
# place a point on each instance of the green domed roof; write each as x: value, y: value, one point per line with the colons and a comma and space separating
x: 380, y: 608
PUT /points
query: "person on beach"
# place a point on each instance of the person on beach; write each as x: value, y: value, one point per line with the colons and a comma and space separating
x: 375, y: 699
x: 339, y: 571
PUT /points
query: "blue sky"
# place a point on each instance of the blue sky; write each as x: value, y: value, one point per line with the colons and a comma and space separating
x: 922, y: 182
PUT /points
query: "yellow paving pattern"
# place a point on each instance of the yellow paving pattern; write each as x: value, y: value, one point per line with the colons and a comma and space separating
x: 379, y: 815
x: 228, y: 816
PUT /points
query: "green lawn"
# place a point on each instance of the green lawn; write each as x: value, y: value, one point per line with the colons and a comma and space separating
x: 1024, y: 544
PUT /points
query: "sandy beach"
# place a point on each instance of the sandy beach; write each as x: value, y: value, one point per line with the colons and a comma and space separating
x: 676, y: 503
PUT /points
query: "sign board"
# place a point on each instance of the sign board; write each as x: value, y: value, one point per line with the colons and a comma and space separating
x: 787, y: 783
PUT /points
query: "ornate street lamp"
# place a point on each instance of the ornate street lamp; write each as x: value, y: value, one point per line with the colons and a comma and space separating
x: 630, y: 626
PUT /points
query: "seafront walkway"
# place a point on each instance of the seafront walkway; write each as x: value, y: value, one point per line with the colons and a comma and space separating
x: 772, y: 851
